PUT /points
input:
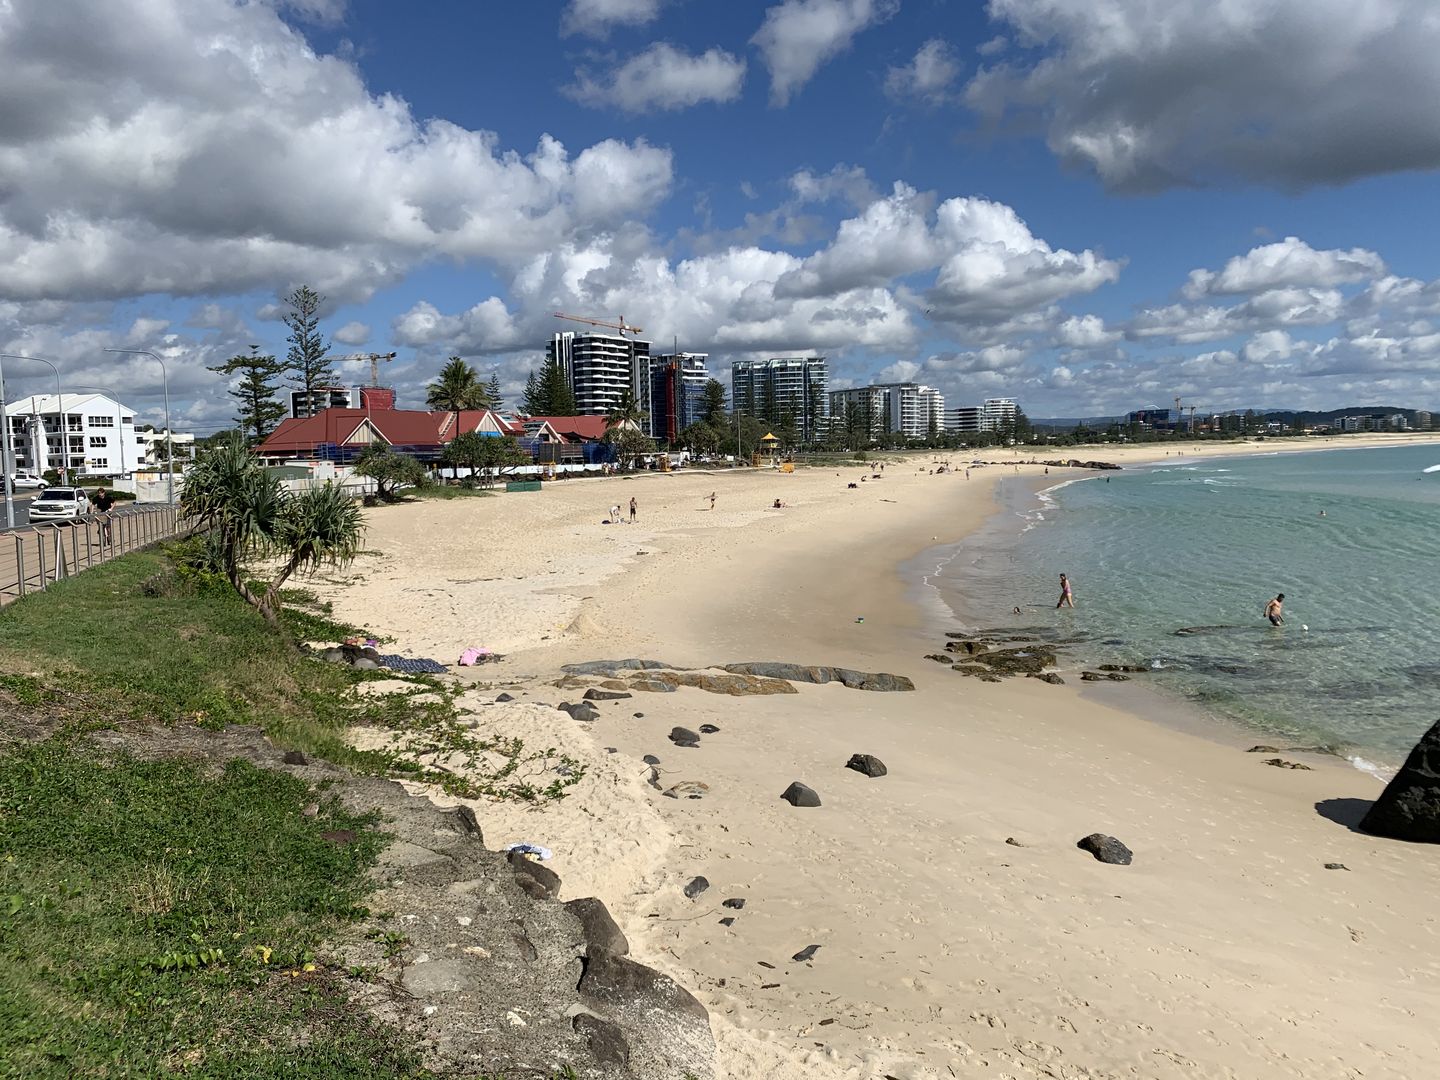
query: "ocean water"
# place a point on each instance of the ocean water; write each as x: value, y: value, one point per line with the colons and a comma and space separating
x: 1172, y: 566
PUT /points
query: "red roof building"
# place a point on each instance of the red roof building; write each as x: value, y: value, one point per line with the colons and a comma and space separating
x: 339, y: 434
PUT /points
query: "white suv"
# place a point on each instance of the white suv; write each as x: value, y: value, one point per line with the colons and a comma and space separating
x: 60, y: 504
x: 20, y: 480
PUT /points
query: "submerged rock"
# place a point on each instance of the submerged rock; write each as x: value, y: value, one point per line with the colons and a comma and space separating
x: 1409, y: 807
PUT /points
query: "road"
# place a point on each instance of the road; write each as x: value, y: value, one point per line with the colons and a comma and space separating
x: 22, y: 509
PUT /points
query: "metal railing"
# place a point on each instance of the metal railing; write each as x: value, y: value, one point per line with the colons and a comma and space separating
x: 34, y: 557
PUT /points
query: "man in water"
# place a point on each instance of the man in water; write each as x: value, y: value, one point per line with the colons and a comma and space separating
x: 1067, y: 597
x: 1274, y: 610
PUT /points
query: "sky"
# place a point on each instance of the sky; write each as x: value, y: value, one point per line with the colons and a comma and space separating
x: 1088, y: 205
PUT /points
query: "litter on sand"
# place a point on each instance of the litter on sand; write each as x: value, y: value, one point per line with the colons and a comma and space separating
x: 412, y: 665
x: 533, y: 850
x: 472, y: 656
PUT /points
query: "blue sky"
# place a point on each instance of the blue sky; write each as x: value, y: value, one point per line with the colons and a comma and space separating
x: 1090, y: 205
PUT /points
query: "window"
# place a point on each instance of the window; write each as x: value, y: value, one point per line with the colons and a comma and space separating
x: 128, y: 420
x: 101, y: 421
x: 98, y: 440
x: 98, y: 463
x: 77, y: 444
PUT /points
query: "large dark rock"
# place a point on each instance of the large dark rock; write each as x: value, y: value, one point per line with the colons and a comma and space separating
x: 606, y: 1040
x: 798, y: 794
x: 582, y: 710
x: 868, y: 764
x: 605, y: 667
x: 667, y: 1029
x: 684, y: 737
x: 1106, y: 849
x: 601, y: 931
x: 605, y: 695
x: 1409, y: 807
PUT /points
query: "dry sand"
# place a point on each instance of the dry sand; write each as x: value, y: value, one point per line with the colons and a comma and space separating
x: 1225, y: 950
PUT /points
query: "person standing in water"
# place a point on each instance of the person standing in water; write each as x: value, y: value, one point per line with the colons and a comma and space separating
x: 1067, y: 596
x: 1275, y: 610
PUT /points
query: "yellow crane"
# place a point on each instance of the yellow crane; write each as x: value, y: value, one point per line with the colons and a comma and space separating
x: 374, y: 358
x: 622, y: 326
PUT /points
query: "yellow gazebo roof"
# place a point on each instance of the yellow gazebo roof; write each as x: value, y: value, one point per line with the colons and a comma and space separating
x: 770, y: 438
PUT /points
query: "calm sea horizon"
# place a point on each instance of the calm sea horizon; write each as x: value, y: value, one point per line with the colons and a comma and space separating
x: 1173, y: 563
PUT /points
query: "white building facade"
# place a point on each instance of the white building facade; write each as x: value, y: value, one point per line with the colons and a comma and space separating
x: 77, y: 434
x: 600, y: 368
x: 908, y: 409
x: 996, y: 414
x: 793, y: 387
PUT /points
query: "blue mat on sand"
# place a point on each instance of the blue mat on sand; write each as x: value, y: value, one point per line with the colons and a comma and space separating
x: 412, y: 666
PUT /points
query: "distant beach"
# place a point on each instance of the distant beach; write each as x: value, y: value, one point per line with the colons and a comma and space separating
x: 959, y: 931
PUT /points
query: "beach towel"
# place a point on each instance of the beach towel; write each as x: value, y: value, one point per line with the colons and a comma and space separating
x: 412, y: 665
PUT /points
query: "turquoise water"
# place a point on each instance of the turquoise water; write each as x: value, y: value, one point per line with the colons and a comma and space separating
x: 1201, y: 546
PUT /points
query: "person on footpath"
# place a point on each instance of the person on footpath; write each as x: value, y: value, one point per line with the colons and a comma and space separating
x: 1067, y: 595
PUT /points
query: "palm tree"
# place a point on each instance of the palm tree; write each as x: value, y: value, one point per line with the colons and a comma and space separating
x: 457, y: 388
x: 231, y: 493
x: 625, y: 413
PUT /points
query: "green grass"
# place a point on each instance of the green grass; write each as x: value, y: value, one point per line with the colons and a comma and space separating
x: 156, y: 921
x: 445, y: 491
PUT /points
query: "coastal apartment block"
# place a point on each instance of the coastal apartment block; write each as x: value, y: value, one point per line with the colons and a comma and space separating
x: 674, y: 386
x: 996, y: 414
x: 600, y: 368
x: 908, y: 409
x: 84, y: 434
x: 781, y: 389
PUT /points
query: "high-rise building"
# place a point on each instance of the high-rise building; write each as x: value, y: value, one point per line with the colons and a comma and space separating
x: 674, y: 393
x: 600, y: 368
x: 861, y: 408
x: 908, y: 409
x: 786, y: 389
x: 996, y: 414
x: 1422, y: 420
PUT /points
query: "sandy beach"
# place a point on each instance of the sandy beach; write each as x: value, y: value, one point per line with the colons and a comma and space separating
x: 960, y: 931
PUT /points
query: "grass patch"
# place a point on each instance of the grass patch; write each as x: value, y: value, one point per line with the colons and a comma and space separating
x: 155, y: 921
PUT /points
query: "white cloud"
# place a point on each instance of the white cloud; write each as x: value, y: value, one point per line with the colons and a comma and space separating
x: 798, y: 36
x: 1291, y: 262
x: 662, y: 77
x: 200, y: 176
x: 989, y: 268
x: 1085, y: 332
x: 1152, y: 94
x: 1269, y: 345
x: 997, y: 267
x: 352, y: 333
x: 596, y: 17
x: 845, y: 182
x: 928, y: 76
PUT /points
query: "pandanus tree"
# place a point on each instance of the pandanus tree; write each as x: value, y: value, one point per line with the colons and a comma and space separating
x: 252, y: 517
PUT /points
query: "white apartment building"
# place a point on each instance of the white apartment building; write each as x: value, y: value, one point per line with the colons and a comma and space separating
x: 797, y: 387
x: 600, y: 368
x: 910, y: 409
x: 85, y: 434
x: 994, y: 415
x: 182, y: 444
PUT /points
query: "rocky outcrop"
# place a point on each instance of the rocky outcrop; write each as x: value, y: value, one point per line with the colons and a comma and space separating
x: 606, y: 667
x: 1409, y: 807
x: 728, y: 684
x: 488, y: 979
x: 855, y: 680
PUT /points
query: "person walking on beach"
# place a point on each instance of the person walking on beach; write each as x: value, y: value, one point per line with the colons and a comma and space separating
x: 633, y: 507
x: 712, y: 500
x: 1275, y: 610
x: 1067, y: 597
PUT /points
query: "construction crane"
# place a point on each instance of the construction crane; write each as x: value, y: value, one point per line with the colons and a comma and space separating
x: 374, y: 359
x: 622, y: 325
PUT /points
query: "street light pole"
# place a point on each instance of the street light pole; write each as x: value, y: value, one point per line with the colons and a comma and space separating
x: 169, y: 449
x: 59, y: 410
x: 9, y: 462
